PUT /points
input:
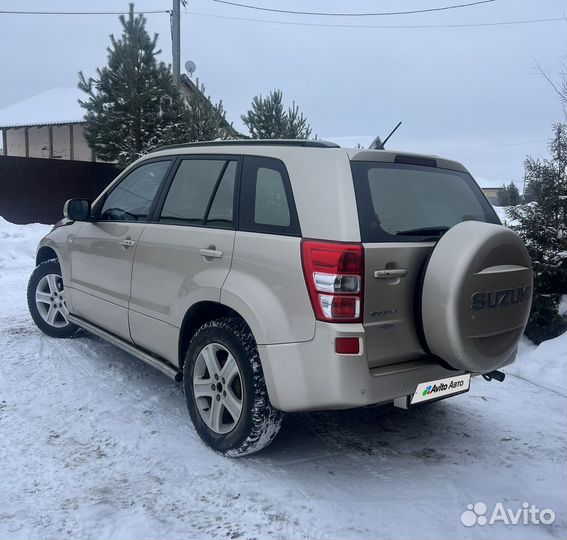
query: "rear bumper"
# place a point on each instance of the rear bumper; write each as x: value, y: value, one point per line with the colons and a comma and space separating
x: 311, y: 376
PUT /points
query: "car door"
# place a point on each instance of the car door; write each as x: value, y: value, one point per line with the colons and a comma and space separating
x: 184, y: 255
x: 102, y: 252
x: 403, y: 210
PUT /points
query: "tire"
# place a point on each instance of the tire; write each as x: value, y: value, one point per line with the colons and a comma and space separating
x: 50, y: 314
x: 226, y: 347
x: 476, y: 296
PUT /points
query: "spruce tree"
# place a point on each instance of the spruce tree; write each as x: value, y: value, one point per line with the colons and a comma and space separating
x: 503, y: 196
x: 514, y: 196
x: 509, y: 195
x: 541, y: 224
x: 133, y: 105
x: 267, y: 119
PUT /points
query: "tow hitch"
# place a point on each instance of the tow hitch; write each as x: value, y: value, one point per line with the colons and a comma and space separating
x: 494, y: 375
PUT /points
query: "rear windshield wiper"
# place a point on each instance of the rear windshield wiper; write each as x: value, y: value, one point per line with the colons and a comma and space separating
x: 424, y: 231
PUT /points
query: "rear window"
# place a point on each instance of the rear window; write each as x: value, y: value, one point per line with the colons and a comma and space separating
x: 408, y: 203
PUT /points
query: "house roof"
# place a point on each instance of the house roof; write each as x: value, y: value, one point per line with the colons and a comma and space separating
x: 55, y: 106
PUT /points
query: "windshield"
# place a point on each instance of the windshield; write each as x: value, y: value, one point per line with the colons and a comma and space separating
x: 408, y: 203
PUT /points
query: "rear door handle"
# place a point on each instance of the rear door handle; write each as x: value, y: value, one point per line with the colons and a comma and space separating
x: 391, y: 273
x: 211, y: 253
x: 127, y: 242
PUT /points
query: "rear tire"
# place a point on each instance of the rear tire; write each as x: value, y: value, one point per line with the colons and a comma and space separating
x: 46, y: 301
x: 225, y: 389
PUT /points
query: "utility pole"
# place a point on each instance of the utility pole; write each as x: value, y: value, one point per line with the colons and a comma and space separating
x: 176, y: 41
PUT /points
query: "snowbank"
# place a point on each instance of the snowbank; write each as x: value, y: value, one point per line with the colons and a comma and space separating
x: 18, y: 243
x: 543, y: 365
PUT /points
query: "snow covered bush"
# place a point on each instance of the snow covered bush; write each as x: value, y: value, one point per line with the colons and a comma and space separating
x: 541, y: 224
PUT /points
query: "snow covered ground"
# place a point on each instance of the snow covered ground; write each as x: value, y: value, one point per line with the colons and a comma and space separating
x: 94, y: 444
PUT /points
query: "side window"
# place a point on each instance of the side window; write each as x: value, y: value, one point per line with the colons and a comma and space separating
x: 132, y: 198
x: 202, y: 193
x: 271, y: 206
x: 266, y: 199
x: 222, y: 206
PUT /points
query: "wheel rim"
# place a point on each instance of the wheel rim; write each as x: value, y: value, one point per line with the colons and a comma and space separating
x: 217, y: 387
x: 50, y: 301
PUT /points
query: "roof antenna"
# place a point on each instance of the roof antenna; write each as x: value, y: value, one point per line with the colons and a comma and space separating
x: 377, y: 144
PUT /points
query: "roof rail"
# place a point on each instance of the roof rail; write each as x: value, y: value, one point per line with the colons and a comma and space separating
x: 252, y: 142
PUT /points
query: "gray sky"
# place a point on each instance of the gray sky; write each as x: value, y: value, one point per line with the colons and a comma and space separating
x: 470, y: 94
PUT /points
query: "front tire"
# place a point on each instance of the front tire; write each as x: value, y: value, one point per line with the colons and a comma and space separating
x: 225, y: 389
x: 46, y: 301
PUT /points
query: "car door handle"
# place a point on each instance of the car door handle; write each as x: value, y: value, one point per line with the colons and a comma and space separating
x: 390, y: 273
x: 211, y: 253
x: 127, y: 242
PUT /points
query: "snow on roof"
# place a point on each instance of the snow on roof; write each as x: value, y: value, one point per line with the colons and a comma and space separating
x: 55, y: 106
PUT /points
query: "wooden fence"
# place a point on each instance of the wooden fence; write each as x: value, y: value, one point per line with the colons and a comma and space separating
x: 34, y: 190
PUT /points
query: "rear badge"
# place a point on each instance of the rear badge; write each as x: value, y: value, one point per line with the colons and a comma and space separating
x: 505, y: 297
x: 441, y: 388
x: 383, y: 313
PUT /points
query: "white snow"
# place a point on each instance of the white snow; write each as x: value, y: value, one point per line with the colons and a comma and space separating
x: 501, y: 212
x: 95, y: 444
x: 18, y: 243
x: 544, y: 365
x: 55, y: 106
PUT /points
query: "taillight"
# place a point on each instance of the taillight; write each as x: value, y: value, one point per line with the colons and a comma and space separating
x: 334, y: 274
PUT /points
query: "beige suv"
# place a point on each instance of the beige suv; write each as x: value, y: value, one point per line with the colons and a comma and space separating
x: 276, y: 276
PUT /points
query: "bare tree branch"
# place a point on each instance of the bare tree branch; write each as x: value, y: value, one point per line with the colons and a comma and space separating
x: 560, y: 90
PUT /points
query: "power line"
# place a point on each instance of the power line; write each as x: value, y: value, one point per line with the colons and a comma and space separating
x: 5, y: 12
x: 385, y: 26
x: 324, y: 14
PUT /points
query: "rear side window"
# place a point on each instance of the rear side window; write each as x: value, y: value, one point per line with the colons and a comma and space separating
x: 266, y: 202
x: 202, y: 193
x: 408, y: 203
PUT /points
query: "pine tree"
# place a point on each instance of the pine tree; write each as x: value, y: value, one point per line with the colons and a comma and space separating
x: 205, y: 120
x: 267, y: 119
x: 514, y: 194
x: 542, y: 226
x: 297, y: 126
x: 509, y: 195
x: 133, y: 105
x: 503, y: 196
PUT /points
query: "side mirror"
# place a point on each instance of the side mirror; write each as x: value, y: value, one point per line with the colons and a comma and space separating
x: 77, y: 209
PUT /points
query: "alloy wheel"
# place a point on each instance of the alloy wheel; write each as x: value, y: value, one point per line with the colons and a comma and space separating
x: 50, y: 301
x: 217, y: 387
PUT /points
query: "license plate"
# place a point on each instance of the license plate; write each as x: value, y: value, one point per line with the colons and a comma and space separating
x: 441, y: 388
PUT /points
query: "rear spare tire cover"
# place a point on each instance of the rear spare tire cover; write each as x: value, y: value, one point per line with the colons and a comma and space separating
x: 476, y: 296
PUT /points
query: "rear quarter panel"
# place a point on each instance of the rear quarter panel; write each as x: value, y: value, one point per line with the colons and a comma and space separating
x: 266, y: 286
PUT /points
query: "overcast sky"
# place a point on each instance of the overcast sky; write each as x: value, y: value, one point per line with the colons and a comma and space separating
x: 470, y: 94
